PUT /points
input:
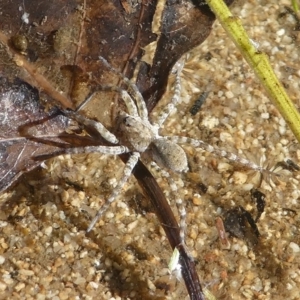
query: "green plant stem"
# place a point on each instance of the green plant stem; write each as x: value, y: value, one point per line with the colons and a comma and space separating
x: 295, y: 5
x: 259, y: 62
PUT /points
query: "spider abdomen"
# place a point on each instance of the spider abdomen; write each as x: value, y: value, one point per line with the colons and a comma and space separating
x: 169, y: 155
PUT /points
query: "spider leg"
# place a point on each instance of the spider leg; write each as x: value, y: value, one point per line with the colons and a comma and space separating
x: 127, y: 172
x: 131, y: 107
x: 221, y: 153
x: 177, y: 90
x: 179, y: 203
x: 140, y: 103
x: 112, y: 150
x: 105, y: 133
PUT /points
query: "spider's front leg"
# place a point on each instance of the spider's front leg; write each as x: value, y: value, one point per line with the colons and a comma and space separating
x: 112, y: 150
x: 105, y: 133
x: 169, y: 108
x: 139, y: 100
x: 132, y: 161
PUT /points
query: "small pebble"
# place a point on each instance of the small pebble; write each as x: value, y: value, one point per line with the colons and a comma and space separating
x: 2, y: 259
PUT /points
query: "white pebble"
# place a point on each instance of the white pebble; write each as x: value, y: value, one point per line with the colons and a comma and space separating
x: 282, y: 130
x: 26, y: 272
x: 62, y: 215
x: 229, y: 94
x: 2, y: 259
x: 3, y: 224
x: 2, y: 286
x: 19, y: 286
x: 265, y: 116
x: 48, y: 230
x: 239, y: 178
x: 93, y: 284
x: 223, y: 167
x: 132, y: 225
x: 226, y: 137
x: 210, y: 122
x: 109, y: 215
x: 280, y: 32
x: 295, y: 247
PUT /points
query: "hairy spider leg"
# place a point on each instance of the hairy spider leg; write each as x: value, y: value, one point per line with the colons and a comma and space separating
x: 177, y: 90
x: 131, y: 107
x: 105, y: 133
x: 140, y: 103
x: 178, y: 200
x: 221, y: 153
x: 132, y: 161
x: 111, y: 150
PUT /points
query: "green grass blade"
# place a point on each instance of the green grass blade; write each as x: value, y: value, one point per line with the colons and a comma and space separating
x: 259, y: 62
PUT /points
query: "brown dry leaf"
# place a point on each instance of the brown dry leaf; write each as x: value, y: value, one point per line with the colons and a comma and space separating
x: 20, y: 108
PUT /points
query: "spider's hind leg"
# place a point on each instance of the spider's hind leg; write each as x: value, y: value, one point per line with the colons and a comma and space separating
x: 222, y: 153
x: 178, y: 200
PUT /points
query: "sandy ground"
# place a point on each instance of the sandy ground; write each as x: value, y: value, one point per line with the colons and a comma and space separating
x: 45, y: 253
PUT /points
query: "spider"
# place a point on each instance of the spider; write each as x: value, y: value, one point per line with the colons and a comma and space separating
x: 138, y: 136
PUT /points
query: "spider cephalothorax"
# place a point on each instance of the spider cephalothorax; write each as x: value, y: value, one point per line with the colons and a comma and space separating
x: 135, y: 133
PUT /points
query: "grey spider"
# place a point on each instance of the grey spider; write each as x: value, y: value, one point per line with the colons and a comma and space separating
x: 138, y: 136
